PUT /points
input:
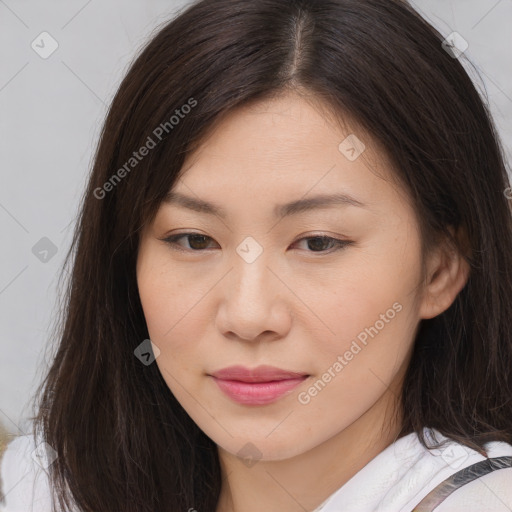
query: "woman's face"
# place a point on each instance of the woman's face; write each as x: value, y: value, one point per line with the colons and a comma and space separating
x: 254, y: 284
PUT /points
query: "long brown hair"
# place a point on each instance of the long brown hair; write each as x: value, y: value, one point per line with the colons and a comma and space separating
x: 123, y: 441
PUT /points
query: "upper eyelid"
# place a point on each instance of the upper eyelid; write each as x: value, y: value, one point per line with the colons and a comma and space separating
x: 340, y: 241
x: 191, y: 233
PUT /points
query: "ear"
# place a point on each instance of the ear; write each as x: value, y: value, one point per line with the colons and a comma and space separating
x: 447, y: 275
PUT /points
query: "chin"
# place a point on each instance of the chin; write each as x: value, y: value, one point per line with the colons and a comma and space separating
x: 258, y: 448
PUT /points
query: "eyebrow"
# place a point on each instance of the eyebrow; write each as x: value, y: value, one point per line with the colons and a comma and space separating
x: 282, y: 210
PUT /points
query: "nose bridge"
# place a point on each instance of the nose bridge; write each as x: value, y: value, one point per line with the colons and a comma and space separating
x: 250, y: 299
x: 250, y: 269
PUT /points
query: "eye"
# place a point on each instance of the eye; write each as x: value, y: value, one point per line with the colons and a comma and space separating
x: 322, y: 243
x: 198, y: 243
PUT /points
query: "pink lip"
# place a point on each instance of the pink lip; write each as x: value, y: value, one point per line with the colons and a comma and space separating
x: 259, y: 386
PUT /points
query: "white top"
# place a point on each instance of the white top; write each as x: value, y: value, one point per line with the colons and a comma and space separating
x: 396, y: 480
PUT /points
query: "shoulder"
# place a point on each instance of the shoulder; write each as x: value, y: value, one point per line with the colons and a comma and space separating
x: 24, y: 477
x: 492, y: 492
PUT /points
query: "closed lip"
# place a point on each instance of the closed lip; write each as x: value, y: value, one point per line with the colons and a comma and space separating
x: 263, y: 373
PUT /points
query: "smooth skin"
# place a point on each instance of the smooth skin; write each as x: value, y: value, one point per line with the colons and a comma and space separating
x: 299, y: 305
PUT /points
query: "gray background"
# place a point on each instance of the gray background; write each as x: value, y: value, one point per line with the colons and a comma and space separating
x: 51, y: 114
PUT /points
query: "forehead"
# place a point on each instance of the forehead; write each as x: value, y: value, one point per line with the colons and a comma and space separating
x: 286, y: 125
x: 286, y: 148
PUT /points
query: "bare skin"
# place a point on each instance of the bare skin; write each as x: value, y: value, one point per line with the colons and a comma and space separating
x: 299, y: 305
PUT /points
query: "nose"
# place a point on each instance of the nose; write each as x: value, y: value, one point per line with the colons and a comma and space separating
x: 253, y: 302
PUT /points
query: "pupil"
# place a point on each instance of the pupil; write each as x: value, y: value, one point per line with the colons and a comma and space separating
x: 195, y: 237
x: 317, y: 243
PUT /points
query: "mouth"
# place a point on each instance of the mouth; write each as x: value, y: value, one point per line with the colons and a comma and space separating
x: 263, y: 373
x: 258, y: 386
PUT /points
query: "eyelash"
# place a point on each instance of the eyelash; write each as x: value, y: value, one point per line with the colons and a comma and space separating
x: 172, y: 242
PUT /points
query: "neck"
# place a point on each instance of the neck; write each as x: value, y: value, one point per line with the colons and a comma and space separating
x: 305, y: 481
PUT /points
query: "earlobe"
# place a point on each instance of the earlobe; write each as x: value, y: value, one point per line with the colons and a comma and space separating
x: 447, y: 276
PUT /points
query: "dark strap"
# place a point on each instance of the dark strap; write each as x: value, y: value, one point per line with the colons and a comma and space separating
x: 457, y: 480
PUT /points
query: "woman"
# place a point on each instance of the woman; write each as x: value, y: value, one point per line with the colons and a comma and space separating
x: 292, y: 280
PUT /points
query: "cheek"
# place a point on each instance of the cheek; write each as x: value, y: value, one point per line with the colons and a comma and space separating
x: 162, y: 313
x: 174, y: 314
x: 370, y: 310
x: 163, y: 292
x: 375, y: 297
x: 157, y: 303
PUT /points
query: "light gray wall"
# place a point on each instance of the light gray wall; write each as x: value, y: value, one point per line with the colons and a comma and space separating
x: 51, y: 114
